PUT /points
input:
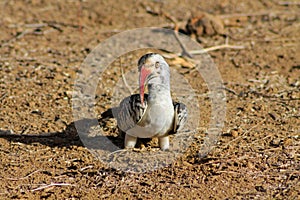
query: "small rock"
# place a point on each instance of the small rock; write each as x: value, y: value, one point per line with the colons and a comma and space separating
x: 287, y: 142
x: 234, y: 133
x: 276, y: 142
x: 273, y: 116
x: 250, y: 165
x: 69, y: 94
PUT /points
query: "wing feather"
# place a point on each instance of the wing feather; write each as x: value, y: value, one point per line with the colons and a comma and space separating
x: 130, y: 111
x: 181, y: 115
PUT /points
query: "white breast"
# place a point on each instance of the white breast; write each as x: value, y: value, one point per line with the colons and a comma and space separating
x: 158, y: 121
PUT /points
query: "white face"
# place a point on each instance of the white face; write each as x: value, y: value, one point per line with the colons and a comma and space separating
x: 156, y: 58
x: 153, y: 70
x: 149, y: 61
x: 160, y: 72
x: 158, y: 65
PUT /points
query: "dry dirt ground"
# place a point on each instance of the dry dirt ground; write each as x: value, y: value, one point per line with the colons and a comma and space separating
x: 42, y: 44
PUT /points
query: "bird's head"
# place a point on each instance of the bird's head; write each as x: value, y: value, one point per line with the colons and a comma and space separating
x: 153, y: 69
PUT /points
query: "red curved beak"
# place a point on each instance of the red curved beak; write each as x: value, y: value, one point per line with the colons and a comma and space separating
x: 144, y: 73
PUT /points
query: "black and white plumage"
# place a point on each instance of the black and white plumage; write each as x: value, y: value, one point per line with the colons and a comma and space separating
x: 154, y: 114
x: 180, y: 118
x: 132, y: 110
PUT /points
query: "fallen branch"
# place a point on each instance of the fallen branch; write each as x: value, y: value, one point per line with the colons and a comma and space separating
x: 33, y: 27
x: 231, y: 91
x: 56, y: 24
x: 205, y: 50
x: 223, y: 46
x: 182, y: 46
x: 16, y: 37
x: 51, y: 185
x: 176, y: 28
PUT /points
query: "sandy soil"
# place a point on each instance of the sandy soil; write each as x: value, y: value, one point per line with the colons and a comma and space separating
x: 42, y: 45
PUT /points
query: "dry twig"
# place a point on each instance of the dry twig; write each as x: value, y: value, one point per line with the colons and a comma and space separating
x: 223, y: 46
x: 87, y: 167
x: 176, y: 28
x: 124, y: 78
x: 10, y: 133
x: 28, y: 175
x: 117, y: 151
x: 3, y: 96
x: 51, y: 185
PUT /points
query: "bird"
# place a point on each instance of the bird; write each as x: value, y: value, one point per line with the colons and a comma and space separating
x: 154, y: 114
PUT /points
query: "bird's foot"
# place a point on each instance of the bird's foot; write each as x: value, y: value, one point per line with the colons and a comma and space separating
x: 130, y: 141
x: 164, y: 143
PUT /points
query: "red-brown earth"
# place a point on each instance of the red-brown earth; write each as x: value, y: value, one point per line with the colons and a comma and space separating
x: 42, y: 45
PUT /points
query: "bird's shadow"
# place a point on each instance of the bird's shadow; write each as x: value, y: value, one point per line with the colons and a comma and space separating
x: 72, y: 135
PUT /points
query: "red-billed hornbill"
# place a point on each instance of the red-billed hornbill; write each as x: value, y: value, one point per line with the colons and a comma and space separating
x: 153, y: 115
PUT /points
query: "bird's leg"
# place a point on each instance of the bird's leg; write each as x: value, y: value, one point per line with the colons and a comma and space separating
x: 130, y: 141
x: 164, y: 142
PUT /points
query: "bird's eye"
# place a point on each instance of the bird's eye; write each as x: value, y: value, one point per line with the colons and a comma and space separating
x: 157, y: 65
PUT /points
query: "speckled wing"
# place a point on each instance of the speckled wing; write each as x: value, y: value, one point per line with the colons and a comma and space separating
x: 128, y: 113
x: 181, y: 115
x: 131, y: 111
